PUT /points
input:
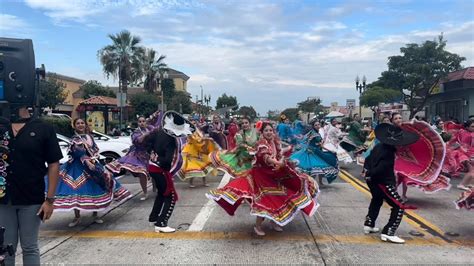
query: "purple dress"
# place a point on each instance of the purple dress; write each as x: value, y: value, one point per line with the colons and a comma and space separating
x: 216, y: 132
x: 136, y: 159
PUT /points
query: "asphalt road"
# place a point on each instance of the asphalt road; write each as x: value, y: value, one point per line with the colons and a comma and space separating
x: 435, y: 233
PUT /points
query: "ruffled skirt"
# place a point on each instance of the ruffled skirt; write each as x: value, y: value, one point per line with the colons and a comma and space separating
x: 277, y: 195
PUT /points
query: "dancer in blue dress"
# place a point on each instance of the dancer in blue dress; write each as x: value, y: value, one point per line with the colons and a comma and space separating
x: 284, y: 129
x: 84, y: 184
x: 313, y: 160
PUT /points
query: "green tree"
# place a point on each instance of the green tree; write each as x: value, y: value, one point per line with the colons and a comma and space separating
x: 51, y: 93
x: 418, y: 71
x: 273, y: 115
x: 227, y: 101
x: 247, y: 111
x: 152, y: 68
x: 309, y: 105
x: 291, y: 113
x: 144, y: 103
x: 123, y: 58
x: 181, y: 102
x: 375, y: 95
x: 169, y: 90
x: 95, y: 88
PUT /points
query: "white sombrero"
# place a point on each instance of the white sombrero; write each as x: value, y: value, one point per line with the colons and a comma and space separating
x: 174, y: 124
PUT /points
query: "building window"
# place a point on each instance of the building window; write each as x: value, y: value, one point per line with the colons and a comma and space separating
x: 449, y: 110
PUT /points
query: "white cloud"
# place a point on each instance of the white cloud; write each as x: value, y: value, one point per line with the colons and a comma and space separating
x: 329, y: 26
x: 255, y: 50
x: 202, y: 78
x: 75, y: 10
x: 13, y: 26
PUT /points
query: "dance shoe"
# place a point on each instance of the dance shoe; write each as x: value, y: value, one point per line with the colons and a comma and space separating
x: 392, y: 239
x: 166, y: 229
x: 368, y: 229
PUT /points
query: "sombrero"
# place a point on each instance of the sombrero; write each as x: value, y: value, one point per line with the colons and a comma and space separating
x: 175, y: 125
x: 392, y: 135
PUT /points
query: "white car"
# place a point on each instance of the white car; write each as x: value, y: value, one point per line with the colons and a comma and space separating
x: 104, y: 137
x: 109, y: 150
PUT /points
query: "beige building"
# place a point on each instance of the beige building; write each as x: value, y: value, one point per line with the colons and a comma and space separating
x: 75, y: 95
x: 71, y: 86
x: 180, y: 81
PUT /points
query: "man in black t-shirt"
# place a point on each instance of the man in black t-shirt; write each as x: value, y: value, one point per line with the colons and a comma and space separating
x: 26, y: 146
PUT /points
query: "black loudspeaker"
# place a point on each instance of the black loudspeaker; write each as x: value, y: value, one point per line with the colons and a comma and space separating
x: 17, y: 72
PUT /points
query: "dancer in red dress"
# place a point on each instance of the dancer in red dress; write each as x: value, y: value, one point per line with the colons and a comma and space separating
x: 232, y: 130
x: 273, y: 188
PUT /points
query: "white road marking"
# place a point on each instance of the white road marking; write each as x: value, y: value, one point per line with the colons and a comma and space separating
x: 206, y: 211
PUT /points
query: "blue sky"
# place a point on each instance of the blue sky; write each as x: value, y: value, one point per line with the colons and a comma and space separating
x: 270, y: 54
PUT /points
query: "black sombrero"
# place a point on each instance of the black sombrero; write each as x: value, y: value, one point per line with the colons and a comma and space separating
x: 175, y: 125
x: 392, y: 135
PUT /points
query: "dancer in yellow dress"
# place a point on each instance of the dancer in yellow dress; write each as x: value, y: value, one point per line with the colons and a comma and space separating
x: 196, y: 162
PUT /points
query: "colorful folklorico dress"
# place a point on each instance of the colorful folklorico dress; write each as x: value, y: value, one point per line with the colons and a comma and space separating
x: 312, y: 160
x: 232, y: 129
x: 459, y: 150
x: 466, y: 200
x: 216, y: 132
x: 195, y: 153
x: 285, y: 132
x: 299, y: 130
x: 274, y: 193
x: 370, y: 144
x: 420, y: 163
x: 238, y: 161
x: 136, y: 159
x: 332, y: 143
x: 355, y: 140
x: 85, y: 189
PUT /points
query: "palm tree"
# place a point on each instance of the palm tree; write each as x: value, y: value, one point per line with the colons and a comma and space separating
x: 123, y: 58
x: 152, y: 68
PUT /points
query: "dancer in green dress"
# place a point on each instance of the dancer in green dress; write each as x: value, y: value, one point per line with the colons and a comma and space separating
x: 238, y: 160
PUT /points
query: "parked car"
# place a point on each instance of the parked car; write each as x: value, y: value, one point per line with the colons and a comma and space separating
x: 58, y: 115
x: 64, y: 145
x: 104, y: 137
x: 110, y: 150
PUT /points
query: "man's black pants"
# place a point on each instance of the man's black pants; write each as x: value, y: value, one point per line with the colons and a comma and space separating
x: 164, y: 205
x: 381, y: 192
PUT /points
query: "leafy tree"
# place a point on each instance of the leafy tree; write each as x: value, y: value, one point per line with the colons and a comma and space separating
x: 247, y: 111
x: 309, y: 105
x: 273, y: 114
x: 123, y: 58
x: 181, y: 102
x: 51, y: 93
x: 169, y: 90
x: 418, y: 71
x: 152, y: 68
x: 375, y: 95
x: 291, y: 113
x: 227, y: 101
x: 144, y: 103
x: 95, y: 88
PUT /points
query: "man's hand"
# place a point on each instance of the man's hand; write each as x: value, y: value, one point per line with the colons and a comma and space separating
x: 47, y: 210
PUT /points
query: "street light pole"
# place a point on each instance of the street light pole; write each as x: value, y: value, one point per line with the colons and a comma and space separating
x: 360, y: 87
x: 207, y: 99
x: 161, y: 77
